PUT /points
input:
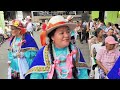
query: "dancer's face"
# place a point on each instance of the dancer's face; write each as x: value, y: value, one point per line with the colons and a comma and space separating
x: 62, y: 37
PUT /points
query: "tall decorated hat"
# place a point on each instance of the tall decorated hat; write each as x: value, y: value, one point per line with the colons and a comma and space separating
x: 18, y: 24
x: 58, y: 21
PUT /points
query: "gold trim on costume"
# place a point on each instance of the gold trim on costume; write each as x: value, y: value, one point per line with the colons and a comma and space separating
x: 42, y: 69
x: 26, y: 49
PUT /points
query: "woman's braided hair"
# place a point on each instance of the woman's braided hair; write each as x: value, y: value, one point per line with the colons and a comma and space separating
x: 74, y: 69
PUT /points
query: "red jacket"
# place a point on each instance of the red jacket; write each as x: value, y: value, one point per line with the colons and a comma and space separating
x: 44, y: 27
x: 43, y: 38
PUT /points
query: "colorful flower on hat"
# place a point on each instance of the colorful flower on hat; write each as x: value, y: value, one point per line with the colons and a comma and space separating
x: 16, y: 23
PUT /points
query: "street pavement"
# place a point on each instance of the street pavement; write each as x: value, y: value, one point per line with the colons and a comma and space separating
x: 4, y: 54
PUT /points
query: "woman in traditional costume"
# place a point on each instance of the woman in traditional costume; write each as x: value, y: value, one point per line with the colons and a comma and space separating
x: 23, y: 49
x: 60, y: 59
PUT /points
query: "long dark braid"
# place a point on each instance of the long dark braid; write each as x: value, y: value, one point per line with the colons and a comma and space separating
x: 51, y: 52
x: 74, y: 69
x: 52, y: 59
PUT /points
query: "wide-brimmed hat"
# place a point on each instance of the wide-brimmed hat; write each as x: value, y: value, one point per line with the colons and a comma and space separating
x: 110, y: 40
x: 58, y: 21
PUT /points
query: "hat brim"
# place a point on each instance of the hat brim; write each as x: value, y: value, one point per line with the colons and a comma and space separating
x: 115, y: 42
x: 66, y: 20
x: 70, y: 25
x: 16, y: 27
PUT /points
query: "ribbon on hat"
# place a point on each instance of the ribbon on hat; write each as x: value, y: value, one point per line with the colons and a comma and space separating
x: 50, y: 25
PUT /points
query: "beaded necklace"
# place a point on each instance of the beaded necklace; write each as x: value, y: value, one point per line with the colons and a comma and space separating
x: 63, y: 67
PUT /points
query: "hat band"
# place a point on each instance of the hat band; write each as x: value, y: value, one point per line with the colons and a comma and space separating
x: 53, y: 25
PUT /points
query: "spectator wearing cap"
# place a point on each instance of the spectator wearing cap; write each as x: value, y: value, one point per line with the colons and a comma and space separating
x: 107, y: 56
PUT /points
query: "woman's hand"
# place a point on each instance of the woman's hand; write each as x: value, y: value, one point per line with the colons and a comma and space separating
x: 106, y: 71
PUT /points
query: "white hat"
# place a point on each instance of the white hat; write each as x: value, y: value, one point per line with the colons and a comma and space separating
x: 28, y: 17
x: 69, y: 17
x: 57, y: 21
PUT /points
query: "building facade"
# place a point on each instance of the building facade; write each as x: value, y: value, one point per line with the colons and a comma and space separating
x: 37, y: 16
x: 10, y: 15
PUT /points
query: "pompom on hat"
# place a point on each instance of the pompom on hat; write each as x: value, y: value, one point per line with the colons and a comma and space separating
x: 58, y: 21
